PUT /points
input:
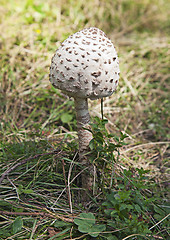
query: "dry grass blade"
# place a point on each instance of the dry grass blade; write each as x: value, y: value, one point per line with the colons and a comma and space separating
x: 26, y: 160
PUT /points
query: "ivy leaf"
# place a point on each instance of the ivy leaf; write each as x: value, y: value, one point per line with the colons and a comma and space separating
x: 17, y: 225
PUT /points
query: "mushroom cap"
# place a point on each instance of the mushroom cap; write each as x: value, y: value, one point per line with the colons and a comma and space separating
x: 86, y: 65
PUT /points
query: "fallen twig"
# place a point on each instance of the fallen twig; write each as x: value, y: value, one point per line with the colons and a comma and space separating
x: 43, y: 214
x: 26, y: 214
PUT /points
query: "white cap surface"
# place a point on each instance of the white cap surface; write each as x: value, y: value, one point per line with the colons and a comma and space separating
x: 86, y: 65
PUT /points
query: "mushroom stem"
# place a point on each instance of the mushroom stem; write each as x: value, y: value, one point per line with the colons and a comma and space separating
x: 83, y: 120
x: 85, y: 136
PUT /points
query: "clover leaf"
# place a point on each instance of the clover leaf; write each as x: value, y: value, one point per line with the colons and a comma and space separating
x: 86, y: 224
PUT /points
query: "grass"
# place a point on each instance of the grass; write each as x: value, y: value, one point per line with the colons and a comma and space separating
x: 38, y: 139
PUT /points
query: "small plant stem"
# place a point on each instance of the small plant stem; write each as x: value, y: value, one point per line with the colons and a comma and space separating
x: 102, y: 107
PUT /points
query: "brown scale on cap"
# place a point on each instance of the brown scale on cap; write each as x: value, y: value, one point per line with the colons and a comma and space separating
x: 67, y: 68
x: 96, y: 74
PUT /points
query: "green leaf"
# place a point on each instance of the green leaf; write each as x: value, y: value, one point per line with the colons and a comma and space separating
x: 4, y: 233
x: 17, y: 209
x: 111, y: 223
x: 123, y: 206
x: 112, y: 238
x: 159, y: 210
x: 84, y: 228
x: 111, y: 147
x: 108, y: 212
x: 91, y: 144
x: 85, y: 218
x: 4, y: 203
x: 113, y: 212
x: 111, y: 196
x: 66, y: 117
x: 138, y: 209
x: 123, y: 136
x: 99, y: 137
x: 27, y: 191
x: 60, y: 224
x: 17, y: 225
x: 96, y: 229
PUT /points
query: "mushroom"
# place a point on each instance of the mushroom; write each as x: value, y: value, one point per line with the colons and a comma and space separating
x: 85, y: 66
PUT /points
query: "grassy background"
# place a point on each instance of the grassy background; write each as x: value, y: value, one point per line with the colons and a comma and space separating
x: 35, y: 117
